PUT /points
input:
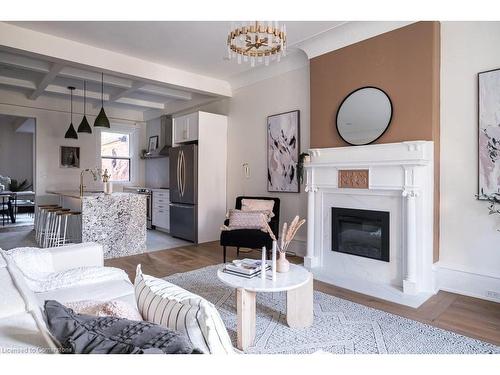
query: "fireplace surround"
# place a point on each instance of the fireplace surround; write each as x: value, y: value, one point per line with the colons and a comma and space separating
x: 400, y: 183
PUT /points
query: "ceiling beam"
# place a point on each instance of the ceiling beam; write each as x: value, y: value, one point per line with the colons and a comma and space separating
x: 85, y: 75
x: 78, y: 93
x: 167, y: 92
x: 14, y: 38
x: 19, y: 61
x: 15, y: 82
x: 135, y: 86
x: 141, y: 103
x: 46, y: 80
x: 61, y: 90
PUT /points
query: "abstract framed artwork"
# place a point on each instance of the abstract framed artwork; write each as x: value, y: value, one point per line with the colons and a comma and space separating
x: 489, y: 132
x: 283, y: 148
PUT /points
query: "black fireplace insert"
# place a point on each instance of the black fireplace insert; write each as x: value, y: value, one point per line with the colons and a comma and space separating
x: 363, y: 233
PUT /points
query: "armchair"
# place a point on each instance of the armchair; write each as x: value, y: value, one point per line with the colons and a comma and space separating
x: 251, y: 238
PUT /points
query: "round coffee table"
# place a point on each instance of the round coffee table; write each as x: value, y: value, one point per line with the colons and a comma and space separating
x: 298, y: 283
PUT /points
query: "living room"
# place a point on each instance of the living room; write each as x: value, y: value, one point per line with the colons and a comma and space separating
x: 252, y: 187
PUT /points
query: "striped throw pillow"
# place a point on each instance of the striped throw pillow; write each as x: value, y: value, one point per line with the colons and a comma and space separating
x: 170, y: 306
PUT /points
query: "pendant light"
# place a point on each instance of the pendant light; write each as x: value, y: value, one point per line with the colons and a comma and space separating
x: 71, y: 133
x: 84, y: 126
x: 101, y: 119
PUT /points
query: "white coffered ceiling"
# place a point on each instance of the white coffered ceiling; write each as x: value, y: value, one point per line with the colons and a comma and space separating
x: 196, y: 48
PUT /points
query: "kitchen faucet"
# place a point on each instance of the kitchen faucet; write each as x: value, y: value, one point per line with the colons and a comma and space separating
x: 94, y: 174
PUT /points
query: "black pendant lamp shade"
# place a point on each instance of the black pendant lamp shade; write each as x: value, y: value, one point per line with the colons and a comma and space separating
x: 71, y: 133
x: 84, y: 126
x: 101, y: 119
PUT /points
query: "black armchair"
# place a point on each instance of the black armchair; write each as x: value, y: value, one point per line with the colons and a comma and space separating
x: 251, y: 238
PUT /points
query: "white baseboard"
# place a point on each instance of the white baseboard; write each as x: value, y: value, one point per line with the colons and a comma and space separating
x: 471, y: 284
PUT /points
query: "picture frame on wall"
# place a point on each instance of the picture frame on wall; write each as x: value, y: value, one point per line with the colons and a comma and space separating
x: 153, y: 143
x: 70, y: 157
x: 283, y: 149
x: 489, y: 133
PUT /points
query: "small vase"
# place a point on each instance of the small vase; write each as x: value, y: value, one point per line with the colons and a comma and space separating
x: 108, y: 188
x: 282, y: 264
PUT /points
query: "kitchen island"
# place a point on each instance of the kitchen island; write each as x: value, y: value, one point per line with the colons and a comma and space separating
x: 116, y: 221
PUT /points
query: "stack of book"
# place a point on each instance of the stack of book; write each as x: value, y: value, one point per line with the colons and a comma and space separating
x: 247, y: 268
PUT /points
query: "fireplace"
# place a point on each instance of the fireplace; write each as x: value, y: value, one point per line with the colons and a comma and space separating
x: 363, y: 233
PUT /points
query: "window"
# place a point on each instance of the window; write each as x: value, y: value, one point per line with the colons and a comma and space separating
x: 115, y: 155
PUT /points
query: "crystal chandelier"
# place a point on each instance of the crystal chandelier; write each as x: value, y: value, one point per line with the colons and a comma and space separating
x: 257, y: 42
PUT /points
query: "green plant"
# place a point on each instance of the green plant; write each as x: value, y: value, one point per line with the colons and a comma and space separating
x: 23, y: 186
x: 300, y: 167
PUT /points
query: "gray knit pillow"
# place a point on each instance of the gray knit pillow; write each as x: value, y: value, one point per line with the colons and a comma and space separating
x: 86, y: 334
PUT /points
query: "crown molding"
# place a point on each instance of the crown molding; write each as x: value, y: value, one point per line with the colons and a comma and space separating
x: 345, y: 34
x: 300, y: 53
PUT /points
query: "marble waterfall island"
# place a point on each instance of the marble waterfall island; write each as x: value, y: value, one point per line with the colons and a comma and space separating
x: 116, y: 221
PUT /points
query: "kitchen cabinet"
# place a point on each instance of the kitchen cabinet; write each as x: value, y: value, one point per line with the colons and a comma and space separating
x: 186, y: 128
x: 198, y: 178
x: 161, y: 210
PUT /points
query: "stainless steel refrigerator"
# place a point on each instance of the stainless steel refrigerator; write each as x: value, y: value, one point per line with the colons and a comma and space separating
x: 184, y: 192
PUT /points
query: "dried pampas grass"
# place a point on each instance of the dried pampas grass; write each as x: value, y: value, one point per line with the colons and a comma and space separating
x: 287, y: 234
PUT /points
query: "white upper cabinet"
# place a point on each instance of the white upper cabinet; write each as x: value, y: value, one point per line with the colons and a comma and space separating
x: 186, y: 128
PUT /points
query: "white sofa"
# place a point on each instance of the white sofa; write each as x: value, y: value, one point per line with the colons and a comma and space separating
x: 22, y: 326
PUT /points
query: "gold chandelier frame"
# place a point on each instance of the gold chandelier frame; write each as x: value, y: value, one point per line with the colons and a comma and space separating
x: 253, y: 51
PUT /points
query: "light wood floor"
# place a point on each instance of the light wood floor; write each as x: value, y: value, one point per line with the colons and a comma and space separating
x: 465, y: 315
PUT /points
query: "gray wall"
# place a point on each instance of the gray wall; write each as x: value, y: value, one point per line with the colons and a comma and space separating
x: 16, y: 153
x: 157, y: 170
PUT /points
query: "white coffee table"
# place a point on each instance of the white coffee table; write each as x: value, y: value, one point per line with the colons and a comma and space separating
x: 298, y: 283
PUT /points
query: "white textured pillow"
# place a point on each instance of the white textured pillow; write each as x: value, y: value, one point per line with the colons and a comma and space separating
x: 257, y: 204
x: 116, y: 308
x: 246, y: 220
x: 167, y: 304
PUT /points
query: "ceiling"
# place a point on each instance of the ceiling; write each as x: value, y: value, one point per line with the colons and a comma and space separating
x: 196, y: 47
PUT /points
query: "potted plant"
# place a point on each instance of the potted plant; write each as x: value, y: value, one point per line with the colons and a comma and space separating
x: 303, y: 159
x: 494, y: 202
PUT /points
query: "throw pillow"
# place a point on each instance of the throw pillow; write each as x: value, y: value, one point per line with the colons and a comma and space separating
x: 246, y: 220
x: 257, y: 204
x: 85, y: 334
x: 119, y: 309
x: 173, y: 307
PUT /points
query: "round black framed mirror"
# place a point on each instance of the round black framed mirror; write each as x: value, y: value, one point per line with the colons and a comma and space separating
x: 364, y: 115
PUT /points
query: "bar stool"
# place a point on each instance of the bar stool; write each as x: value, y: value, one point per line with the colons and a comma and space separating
x: 50, y: 236
x: 38, y: 223
x: 75, y: 227
x: 63, y: 228
x: 41, y: 219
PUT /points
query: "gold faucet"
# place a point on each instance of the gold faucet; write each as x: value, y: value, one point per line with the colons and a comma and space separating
x: 94, y: 174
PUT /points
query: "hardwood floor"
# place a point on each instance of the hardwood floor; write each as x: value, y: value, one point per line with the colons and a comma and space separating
x: 464, y: 315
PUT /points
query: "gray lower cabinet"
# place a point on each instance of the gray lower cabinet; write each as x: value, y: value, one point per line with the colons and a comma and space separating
x: 161, y: 209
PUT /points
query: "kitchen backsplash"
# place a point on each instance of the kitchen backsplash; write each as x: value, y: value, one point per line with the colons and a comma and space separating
x: 157, y: 171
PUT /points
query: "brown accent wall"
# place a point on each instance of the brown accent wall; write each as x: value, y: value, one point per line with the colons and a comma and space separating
x: 405, y: 64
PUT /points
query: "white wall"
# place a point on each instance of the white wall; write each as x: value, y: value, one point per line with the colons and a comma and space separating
x: 248, y: 111
x: 52, y: 120
x: 247, y: 138
x: 16, y: 153
x: 470, y: 239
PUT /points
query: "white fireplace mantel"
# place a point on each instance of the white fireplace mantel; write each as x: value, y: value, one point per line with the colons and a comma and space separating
x: 401, y: 181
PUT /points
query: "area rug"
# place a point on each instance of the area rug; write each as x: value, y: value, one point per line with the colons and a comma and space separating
x: 340, y: 326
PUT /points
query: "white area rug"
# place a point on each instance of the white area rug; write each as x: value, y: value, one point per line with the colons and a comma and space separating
x: 340, y: 326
